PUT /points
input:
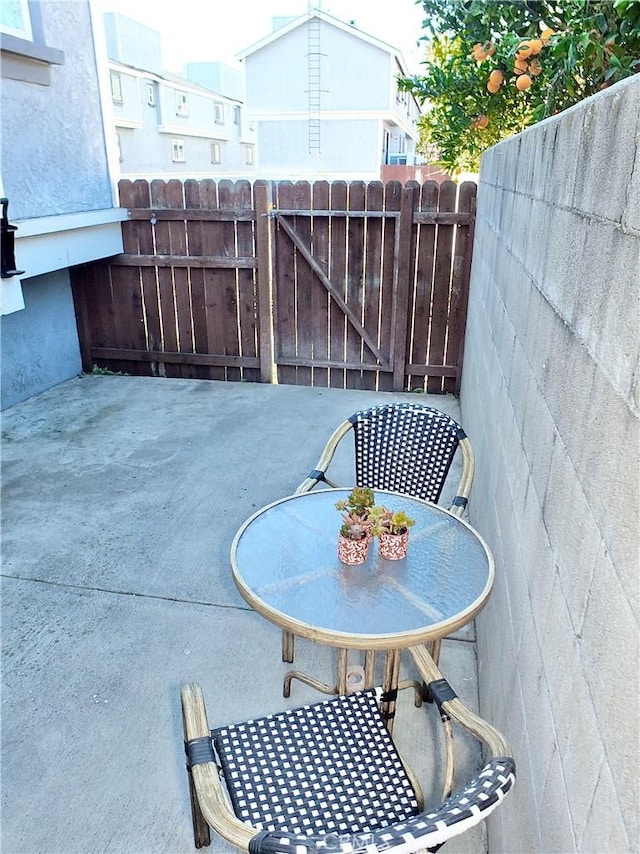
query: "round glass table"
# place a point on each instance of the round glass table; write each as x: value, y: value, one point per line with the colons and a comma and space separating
x: 285, y: 565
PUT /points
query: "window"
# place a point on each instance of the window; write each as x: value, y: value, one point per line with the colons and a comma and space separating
x: 216, y: 152
x: 177, y: 151
x: 15, y: 19
x: 248, y: 155
x: 182, y: 104
x: 25, y: 54
x: 218, y: 106
x: 119, y: 147
x: 236, y: 115
x: 151, y: 95
x: 116, y: 86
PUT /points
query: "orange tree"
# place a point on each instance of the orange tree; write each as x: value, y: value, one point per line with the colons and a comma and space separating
x: 493, y: 67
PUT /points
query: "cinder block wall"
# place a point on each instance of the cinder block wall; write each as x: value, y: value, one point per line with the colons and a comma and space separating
x: 550, y: 401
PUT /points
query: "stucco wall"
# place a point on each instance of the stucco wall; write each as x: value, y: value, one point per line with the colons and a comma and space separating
x: 39, y: 346
x: 53, y: 145
x: 550, y: 401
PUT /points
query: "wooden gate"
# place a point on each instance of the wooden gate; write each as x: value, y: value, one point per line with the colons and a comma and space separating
x: 348, y: 285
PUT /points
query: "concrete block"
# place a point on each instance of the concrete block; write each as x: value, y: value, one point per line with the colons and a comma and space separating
x: 559, y: 136
x: 607, y: 465
x: 561, y: 270
x: 610, y: 660
x: 541, y: 737
x: 539, y: 566
x: 573, y: 533
x: 608, y: 123
x: 556, y: 829
x: 608, y: 307
x: 581, y: 747
x: 605, y: 829
x: 538, y: 437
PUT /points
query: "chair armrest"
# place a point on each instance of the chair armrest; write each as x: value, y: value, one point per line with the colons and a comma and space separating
x: 424, y: 832
x: 319, y: 472
x: 212, y: 798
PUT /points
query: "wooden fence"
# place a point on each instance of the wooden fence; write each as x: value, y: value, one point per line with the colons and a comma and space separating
x: 347, y: 285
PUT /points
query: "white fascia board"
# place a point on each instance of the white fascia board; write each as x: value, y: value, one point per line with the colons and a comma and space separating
x: 205, y: 133
x: 53, y: 243
x: 127, y: 123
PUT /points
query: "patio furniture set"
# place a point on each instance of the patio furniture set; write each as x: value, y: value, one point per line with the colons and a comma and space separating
x: 327, y: 777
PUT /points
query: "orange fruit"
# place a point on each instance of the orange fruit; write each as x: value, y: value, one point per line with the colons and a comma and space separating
x: 523, y: 82
x: 492, y: 87
x: 496, y: 77
x: 536, y: 46
x: 489, y: 48
x: 535, y: 68
x: 545, y: 35
x: 520, y: 66
x: 482, y: 122
x: 524, y: 50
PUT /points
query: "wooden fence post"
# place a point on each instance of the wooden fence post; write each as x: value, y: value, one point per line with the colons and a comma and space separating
x: 405, y: 251
x: 262, y: 205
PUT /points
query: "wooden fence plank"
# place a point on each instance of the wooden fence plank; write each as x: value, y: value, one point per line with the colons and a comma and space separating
x: 262, y: 201
x: 460, y: 286
x: 228, y: 281
x: 441, y: 285
x: 284, y: 293
x: 246, y: 281
x: 392, y: 196
x: 423, y: 288
x: 404, y: 282
x: 355, y: 280
x: 320, y: 298
x: 337, y: 275
x: 212, y: 244
x: 372, y: 276
x: 304, y: 282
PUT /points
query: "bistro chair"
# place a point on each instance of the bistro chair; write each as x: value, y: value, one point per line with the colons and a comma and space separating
x: 327, y: 777
x: 403, y: 447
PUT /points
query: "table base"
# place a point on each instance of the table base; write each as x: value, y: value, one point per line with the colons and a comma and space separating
x: 356, y: 678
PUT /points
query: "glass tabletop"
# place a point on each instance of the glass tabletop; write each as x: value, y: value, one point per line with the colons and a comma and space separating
x: 285, y: 564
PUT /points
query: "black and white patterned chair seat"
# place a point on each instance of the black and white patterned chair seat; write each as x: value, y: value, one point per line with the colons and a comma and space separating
x: 327, y: 778
x: 405, y: 447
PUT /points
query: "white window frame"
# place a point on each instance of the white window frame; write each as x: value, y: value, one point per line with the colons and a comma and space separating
x: 151, y: 94
x: 249, y: 155
x: 182, y: 103
x: 115, y: 83
x: 216, y: 152
x: 119, y: 147
x: 178, y: 151
x: 218, y: 107
x: 24, y: 29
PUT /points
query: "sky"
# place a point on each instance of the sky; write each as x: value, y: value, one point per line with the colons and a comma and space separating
x: 216, y: 30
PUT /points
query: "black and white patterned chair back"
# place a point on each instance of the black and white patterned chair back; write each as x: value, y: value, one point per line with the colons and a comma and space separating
x: 405, y: 447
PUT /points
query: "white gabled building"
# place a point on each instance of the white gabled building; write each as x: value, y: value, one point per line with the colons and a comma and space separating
x: 325, y: 101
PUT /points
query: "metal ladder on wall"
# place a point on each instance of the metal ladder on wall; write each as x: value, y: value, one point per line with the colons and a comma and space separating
x: 313, y: 83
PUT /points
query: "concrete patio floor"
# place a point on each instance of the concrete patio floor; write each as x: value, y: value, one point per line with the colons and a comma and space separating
x: 120, y: 499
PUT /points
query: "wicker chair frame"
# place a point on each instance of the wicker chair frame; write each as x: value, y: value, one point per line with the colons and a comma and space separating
x: 426, y: 831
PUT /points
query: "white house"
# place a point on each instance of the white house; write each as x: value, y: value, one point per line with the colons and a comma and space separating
x: 326, y: 103
x: 166, y: 126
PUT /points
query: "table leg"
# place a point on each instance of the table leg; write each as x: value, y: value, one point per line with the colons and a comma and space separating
x: 390, y: 686
x: 288, y: 645
x: 342, y: 671
x: 369, y: 668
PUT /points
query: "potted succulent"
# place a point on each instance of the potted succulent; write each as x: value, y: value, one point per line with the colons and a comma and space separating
x: 355, y: 534
x: 392, y: 529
